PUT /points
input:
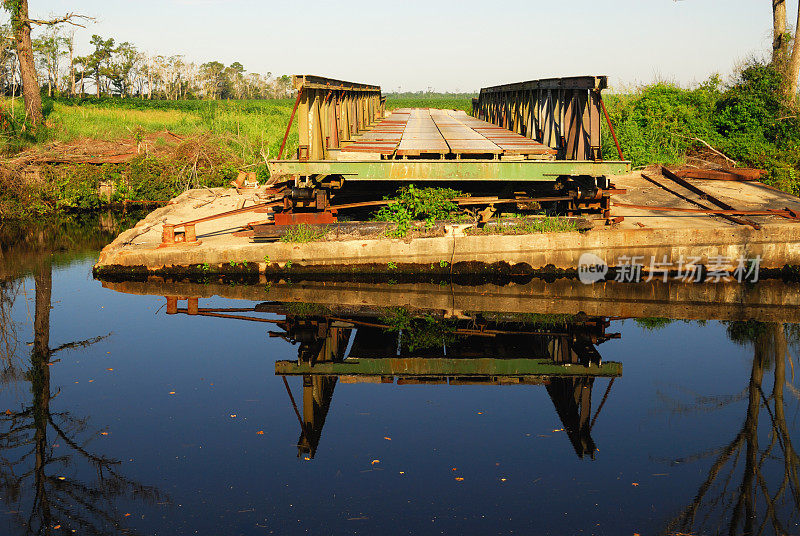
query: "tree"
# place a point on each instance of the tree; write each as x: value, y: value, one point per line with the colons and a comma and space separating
x: 749, y: 481
x: 214, y: 81
x: 70, y: 44
x: 21, y: 25
x: 96, y: 64
x: 48, y: 49
x: 8, y: 61
x: 283, y: 86
x: 122, y: 67
x: 235, y: 77
x: 785, y: 58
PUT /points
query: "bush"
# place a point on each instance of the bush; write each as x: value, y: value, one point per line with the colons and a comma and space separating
x: 412, y: 203
x: 758, y: 129
x: 747, y: 121
x: 657, y: 123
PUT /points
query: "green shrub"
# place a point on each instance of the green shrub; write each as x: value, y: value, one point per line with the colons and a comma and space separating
x: 747, y: 121
x: 412, y: 203
x: 657, y: 123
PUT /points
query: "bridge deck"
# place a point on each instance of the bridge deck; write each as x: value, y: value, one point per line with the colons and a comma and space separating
x: 420, y: 132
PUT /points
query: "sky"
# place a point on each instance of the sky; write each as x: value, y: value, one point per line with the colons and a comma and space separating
x: 443, y: 44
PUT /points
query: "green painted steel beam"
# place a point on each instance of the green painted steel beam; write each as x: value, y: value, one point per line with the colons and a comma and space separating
x: 448, y: 170
x: 446, y: 367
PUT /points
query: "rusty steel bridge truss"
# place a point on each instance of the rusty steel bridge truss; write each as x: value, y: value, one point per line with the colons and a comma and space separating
x: 563, y: 113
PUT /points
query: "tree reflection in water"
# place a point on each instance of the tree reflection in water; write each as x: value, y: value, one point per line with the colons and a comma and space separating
x: 42, y: 451
x: 752, y: 487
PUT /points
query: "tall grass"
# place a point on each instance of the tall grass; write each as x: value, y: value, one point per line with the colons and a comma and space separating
x: 247, y: 128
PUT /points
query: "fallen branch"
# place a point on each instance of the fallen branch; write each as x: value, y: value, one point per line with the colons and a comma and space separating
x: 710, y: 148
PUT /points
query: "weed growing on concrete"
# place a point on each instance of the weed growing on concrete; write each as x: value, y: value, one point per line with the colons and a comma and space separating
x: 552, y: 224
x: 412, y: 203
x: 288, y: 265
x: 392, y: 265
x: 304, y: 233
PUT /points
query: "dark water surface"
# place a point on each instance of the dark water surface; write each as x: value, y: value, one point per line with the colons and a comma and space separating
x: 116, y: 417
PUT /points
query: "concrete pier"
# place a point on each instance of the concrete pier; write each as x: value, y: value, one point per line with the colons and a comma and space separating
x: 644, y: 234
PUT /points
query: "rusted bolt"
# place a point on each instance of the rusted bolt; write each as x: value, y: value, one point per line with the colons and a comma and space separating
x: 172, y: 305
x: 190, y: 235
x: 168, y: 234
x: 193, y: 305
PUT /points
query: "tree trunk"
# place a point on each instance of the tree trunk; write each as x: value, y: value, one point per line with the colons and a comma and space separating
x: 793, y: 69
x: 780, y: 41
x: 72, y: 65
x: 27, y: 68
x: 43, y: 278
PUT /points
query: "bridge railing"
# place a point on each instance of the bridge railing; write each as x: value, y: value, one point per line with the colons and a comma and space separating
x: 563, y: 113
x: 331, y: 112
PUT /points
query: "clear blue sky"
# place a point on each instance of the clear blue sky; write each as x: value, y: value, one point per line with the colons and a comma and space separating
x: 444, y: 44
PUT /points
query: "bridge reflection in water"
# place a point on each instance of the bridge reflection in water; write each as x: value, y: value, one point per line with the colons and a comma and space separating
x: 403, y: 347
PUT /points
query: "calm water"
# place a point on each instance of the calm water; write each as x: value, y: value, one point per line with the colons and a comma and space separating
x: 117, y: 417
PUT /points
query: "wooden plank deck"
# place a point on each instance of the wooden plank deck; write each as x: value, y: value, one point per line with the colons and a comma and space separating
x: 510, y: 142
x: 410, y: 132
x: 461, y: 138
x: 421, y: 136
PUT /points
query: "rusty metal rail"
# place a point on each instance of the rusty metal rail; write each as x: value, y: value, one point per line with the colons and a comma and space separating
x: 563, y: 113
x: 784, y: 213
x: 702, y: 208
x: 707, y: 196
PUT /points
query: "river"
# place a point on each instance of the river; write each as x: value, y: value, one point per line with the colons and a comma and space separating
x: 330, y: 407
